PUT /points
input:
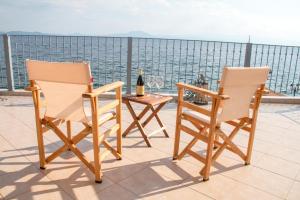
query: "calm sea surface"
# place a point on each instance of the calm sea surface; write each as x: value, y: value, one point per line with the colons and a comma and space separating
x: 175, y: 60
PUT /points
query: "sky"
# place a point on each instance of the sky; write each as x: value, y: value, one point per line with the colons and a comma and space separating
x: 266, y: 21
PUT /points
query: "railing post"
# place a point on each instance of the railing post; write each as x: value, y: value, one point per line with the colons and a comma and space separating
x: 248, y: 54
x: 129, y: 62
x: 8, y: 62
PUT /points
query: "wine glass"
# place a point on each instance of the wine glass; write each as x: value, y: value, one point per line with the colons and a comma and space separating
x: 150, y: 81
x: 159, y: 81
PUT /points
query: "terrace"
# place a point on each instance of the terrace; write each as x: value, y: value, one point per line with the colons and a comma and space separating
x: 149, y: 173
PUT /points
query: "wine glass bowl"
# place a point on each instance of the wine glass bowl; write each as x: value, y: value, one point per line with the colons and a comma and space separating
x: 159, y: 81
x: 154, y: 81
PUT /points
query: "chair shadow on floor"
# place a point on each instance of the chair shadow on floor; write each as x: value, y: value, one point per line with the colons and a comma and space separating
x: 153, y: 181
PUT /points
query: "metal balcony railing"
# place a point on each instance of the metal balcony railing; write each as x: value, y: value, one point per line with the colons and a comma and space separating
x: 118, y: 58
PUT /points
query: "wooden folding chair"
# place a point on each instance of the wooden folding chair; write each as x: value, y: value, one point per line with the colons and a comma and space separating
x: 64, y: 86
x: 233, y: 104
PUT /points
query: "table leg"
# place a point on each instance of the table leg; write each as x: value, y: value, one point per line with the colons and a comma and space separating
x: 133, y: 124
x: 153, y: 114
x: 137, y: 122
x: 159, y: 121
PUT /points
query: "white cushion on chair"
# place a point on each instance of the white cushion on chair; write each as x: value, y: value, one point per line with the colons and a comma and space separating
x: 197, y: 115
x: 102, y: 117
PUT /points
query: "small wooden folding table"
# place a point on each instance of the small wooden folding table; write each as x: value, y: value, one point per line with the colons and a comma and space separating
x: 153, y: 102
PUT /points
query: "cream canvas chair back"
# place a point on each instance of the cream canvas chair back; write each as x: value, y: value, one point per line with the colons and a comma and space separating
x: 240, y: 84
x: 62, y: 85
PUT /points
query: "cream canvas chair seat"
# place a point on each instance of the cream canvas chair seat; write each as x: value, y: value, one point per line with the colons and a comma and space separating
x: 64, y: 86
x: 236, y: 103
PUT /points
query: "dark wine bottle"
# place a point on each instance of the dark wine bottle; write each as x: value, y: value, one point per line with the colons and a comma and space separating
x: 140, y: 88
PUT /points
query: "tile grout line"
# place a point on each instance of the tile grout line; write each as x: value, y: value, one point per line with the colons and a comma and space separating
x: 289, y: 190
x: 251, y: 186
x: 31, y: 165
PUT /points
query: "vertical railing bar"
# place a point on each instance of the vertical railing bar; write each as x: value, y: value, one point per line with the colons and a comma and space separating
x: 152, y: 57
x: 268, y: 55
x: 284, y: 65
x: 113, y: 59
x: 2, y: 76
x: 273, y: 60
x: 63, y: 40
x: 145, y: 63
x: 262, y: 53
x: 91, y: 62
x: 24, y: 67
x: 56, y: 48
x: 129, y: 62
x: 240, y: 57
x: 17, y: 65
x: 206, y: 60
x: 36, y: 50
x: 159, y: 56
x: 226, y: 57
x: 255, y: 55
x: 172, y: 65
x: 120, y: 67
x: 98, y: 61
x: 193, y: 59
x: 71, y: 48
x: 212, y: 67
x: 248, y: 53
x: 50, y: 57
x: 105, y: 52
x: 296, y: 66
x: 289, y: 70
x: 186, y: 60
x: 200, y: 55
x: 278, y: 67
x: 138, y: 48
x: 84, y: 44
x: 8, y: 62
x: 165, y: 78
x: 77, y: 48
x: 219, y: 68
x: 42, y: 48
x: 233, y: 52
x: 179, y: 64
x: 29, y: 45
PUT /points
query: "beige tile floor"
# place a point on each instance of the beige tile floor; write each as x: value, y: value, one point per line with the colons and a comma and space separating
x: 150, y: 173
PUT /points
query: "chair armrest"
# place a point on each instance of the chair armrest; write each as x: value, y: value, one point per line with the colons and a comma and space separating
x: 202, y: 91
x: 265, y: 91
x: 31, y: 88
x: 103, y: 89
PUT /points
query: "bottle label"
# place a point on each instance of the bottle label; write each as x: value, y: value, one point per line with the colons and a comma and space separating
x: 140, y: 90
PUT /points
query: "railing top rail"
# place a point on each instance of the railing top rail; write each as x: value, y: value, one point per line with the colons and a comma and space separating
x: 49, y: 35
x: 275, y: 45
x: 150, y: 38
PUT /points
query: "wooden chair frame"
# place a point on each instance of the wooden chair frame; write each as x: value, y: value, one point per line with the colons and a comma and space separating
x: 43, y: 124
x: 211, y: 133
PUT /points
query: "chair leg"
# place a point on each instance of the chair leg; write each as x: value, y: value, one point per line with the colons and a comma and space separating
x: 97, y: 157
x: 210, y: 146
x: 95, y: 131
x: 177, y: 139
x: 250, y: 147
x: 119, y: 142
x: 40, y: 139
x: 41, y: 148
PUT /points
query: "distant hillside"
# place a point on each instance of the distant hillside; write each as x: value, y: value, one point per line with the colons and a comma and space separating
x: 22, y: 33
x: 133, y: 34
